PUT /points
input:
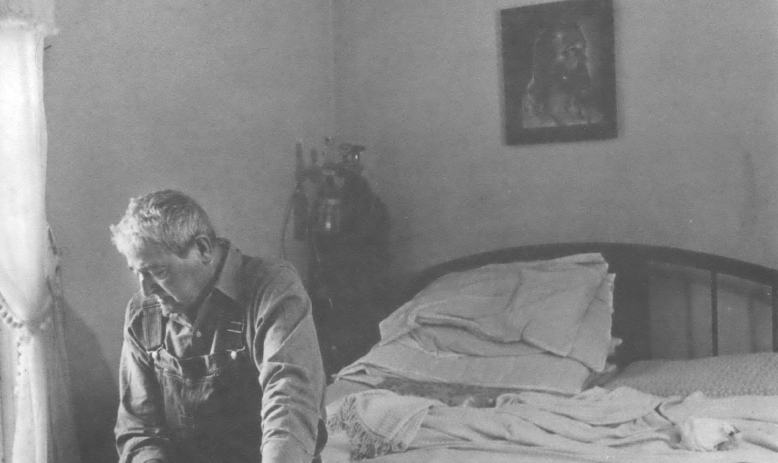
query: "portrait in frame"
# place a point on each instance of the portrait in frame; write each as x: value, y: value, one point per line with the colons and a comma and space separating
x: 559, y: 72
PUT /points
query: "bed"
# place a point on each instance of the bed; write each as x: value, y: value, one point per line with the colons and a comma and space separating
x: 595, y: 352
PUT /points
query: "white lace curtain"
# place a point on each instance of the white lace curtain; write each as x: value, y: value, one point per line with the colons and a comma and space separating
x: 30, y: 295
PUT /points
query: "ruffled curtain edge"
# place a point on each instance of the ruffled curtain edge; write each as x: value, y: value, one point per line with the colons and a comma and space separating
x: 31, y: 14
x: 36, y: 340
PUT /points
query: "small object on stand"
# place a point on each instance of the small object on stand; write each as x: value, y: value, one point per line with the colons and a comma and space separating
x: 329, y: 206
x: 350, y: 158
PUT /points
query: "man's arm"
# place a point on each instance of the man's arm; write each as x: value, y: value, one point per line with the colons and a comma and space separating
x: 291, y: 372
x: 139, y: 435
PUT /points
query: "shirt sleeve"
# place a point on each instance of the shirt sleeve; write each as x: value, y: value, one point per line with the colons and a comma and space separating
x: 139, y: 421
x: 291, y: 372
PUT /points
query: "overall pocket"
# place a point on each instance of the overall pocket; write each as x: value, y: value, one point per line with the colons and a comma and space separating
x: 217, y: 393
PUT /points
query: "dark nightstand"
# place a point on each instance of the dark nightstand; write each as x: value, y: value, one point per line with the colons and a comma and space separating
x: 348, y: 276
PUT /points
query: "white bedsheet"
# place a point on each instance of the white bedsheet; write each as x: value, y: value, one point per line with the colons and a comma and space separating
x: 337, y: 451
x: 598, y: 426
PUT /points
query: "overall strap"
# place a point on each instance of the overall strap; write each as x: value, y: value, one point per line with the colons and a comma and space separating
x: 238, y: 333
x: 235, y: 328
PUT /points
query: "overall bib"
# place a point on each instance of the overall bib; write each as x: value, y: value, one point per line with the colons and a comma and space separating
x: 212, y: 402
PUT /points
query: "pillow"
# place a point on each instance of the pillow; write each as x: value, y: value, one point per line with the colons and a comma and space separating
x: 538, y: 372
x: 562, y: 306
x: 723, y: 376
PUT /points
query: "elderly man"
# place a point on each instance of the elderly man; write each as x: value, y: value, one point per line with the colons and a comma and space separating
x: 220, y: 361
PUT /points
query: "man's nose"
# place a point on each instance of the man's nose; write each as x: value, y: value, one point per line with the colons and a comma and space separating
x: 147, y: 284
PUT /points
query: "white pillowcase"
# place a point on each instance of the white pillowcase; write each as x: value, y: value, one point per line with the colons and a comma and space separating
x: 723, y: 376
x: 539, y: 372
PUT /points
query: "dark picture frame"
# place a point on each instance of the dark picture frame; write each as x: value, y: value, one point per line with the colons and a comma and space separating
x: 559, y: 72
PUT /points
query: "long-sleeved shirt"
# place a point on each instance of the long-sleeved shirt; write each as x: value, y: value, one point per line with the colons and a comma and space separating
x: 282, y: 343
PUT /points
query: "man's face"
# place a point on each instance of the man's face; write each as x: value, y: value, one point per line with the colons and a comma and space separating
x: 175, y: 282
x: 570, y: 63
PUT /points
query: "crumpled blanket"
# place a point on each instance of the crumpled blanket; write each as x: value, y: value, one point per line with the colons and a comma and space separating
x: 378, y: 421
x: 562, y: 306
x: 707, y: 434
x: 595, y: 406
x: 621, y: 419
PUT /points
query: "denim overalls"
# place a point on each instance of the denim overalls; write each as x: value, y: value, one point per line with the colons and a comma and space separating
x: 212, y: 402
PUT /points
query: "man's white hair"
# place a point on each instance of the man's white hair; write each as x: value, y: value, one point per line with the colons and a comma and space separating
x: 166, y: 218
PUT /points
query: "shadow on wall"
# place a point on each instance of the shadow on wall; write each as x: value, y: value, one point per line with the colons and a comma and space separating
x: 95, y: 393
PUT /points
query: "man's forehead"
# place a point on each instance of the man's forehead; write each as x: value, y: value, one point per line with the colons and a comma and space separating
x: 140, y: 267
x: 146, y: 257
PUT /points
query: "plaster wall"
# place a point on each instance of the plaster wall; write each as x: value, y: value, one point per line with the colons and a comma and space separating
x: 207, y: 97
x: 694, y: 164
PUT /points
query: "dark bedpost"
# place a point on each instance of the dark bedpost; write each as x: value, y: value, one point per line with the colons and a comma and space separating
x: 774, y: 298
x: 714, y: 312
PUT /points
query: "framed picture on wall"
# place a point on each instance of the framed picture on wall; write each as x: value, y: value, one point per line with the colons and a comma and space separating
x: 559, y: 72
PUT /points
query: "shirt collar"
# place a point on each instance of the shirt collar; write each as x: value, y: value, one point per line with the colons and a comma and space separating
x: 228, y: 278
x: 226, y: 283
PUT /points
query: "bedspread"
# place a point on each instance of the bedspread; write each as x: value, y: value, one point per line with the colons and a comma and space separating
x: 622, y: 423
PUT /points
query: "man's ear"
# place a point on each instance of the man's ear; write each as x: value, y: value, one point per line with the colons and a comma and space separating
x: 204, y: 246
